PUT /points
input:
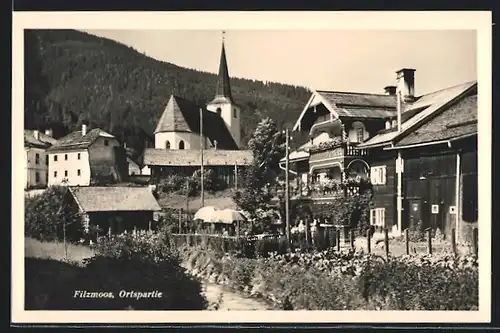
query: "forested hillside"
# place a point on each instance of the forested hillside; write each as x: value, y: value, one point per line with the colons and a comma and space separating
x: 71, y: 76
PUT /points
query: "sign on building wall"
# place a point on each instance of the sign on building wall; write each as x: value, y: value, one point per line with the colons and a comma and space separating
x: 435, y: 209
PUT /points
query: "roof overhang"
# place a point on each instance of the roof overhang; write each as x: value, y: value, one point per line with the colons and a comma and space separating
x: 309, y: 104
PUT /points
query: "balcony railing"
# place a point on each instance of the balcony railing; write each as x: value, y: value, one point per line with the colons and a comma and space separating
x: 323, y: 190
x: 337, y: 146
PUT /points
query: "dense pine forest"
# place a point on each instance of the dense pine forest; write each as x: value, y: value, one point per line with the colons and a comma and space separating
x: 71, y: 77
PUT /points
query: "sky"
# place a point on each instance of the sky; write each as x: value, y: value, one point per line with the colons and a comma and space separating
x: 342, y: 60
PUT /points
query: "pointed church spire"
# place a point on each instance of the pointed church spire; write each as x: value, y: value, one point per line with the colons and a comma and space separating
x: 223, y: 86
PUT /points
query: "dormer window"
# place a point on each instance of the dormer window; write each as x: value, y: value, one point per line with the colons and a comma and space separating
x: 167, y: 145
x: 181, y: 144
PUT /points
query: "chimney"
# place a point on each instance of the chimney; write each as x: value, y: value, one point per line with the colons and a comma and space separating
x: 49, y: 132
x: 36, y: 134
x: 406, y: 84
x: 390, y: 90
x: 84, y: 129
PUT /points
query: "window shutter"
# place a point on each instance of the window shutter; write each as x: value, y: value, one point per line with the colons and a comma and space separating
x: 372, y: 173
x: 383, y: 178
x: 382, y: 217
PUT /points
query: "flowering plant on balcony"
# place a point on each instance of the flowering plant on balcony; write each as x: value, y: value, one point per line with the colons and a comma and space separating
x: 326, y: 145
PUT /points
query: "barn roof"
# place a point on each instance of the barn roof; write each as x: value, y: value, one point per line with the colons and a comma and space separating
x: 426, y: 107
x: 77, y: 141
x: 181, y: 115
x: 187, y: 157
x: 113, y: 199
x: 44, y: 141
x: 456, y: 121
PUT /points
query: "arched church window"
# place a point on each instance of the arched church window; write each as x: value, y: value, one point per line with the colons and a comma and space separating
x: 181, y: 144
x: 167, y: 145
x: 235, y: 113
x: 219, y: 111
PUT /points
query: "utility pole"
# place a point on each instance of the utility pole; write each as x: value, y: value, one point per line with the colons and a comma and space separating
x: 187, y: 195
x: 287, y: 190
x: 202, y: 172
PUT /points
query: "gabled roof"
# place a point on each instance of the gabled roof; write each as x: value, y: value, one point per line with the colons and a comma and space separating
x: 429, y: 104
x: 44, y: 141
x: 352, y: 105
x: 113, y: 199
x: 77, y: 141
x: 181, y: 115
x: 187, y: 157
x: 456, y: 121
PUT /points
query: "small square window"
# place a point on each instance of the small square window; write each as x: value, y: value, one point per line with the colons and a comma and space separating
x: 37, y: 158
x: 106, y: 142
x: 65, y: 157
x: 55, y: 174
x: 37, y: 177
x: 78, y: 172
x: 55, y: 158
x: 65, y: 173
x: 78, y: 156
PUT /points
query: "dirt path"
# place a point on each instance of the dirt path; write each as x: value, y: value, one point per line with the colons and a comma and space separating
x: 233, y: 301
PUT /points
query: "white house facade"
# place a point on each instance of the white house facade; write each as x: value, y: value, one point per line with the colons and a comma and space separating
x: 36, y: 158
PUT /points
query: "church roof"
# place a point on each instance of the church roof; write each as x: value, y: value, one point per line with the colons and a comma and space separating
x: 182, y: 115
x: 223, y: 88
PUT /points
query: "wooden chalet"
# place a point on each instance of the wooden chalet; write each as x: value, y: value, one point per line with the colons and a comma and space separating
x: 418, y: 152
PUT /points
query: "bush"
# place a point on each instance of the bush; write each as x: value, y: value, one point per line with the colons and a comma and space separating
x: 331, y: 280
x: 51, y: 214
x: 144, y: 263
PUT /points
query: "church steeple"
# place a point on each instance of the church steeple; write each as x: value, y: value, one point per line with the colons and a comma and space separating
x: 223, y: 88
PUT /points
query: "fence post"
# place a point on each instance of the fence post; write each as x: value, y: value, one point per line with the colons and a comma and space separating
x: 407, y: 242
x: 386, y: 242
x: 109, y: 232
x: 135, y: 230
x: 338, y: 239
x: 351, y: 233
x: 453, y: 241
x: 368, y: 241
x: 429, y: 239
x: 475, y: 241
x: 180, y: 220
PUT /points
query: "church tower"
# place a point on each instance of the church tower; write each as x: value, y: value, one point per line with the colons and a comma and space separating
x: 223, y: 103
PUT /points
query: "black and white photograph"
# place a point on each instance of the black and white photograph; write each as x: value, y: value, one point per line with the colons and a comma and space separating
x: 322, y: 168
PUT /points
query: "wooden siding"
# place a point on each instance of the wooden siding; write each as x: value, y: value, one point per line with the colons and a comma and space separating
x: 468, y: 210
x: 429, y: 180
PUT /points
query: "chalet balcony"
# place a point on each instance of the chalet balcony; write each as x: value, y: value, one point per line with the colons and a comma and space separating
x: 336, y: 147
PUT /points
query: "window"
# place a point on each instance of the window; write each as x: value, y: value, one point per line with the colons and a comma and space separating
x: 378, y: 175
x: 106, y: 142
x: 37, y: 158
x: 78, y: 156
x: 55, y: 158
x: 65, y: 173
x: 78, y: 172
x: 55, y: 174
x: 47, y: 161
x: 219, y: 111
x: 235, y: 113
x: 360, y: 135
x: 167, y: 145
x: 65, y: 157
x: 181, y: 144
x: 377, y: 217
x: 37, y: 177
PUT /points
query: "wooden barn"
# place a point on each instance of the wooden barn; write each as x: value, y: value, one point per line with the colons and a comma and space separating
x: 116, y: 208
x: 425, y: 169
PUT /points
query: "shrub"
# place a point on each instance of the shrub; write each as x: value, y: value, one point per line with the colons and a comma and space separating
x: 144, y: 262
x: 51, y: 214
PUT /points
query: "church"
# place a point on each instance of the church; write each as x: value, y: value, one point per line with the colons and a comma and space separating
x: 188, y: 135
